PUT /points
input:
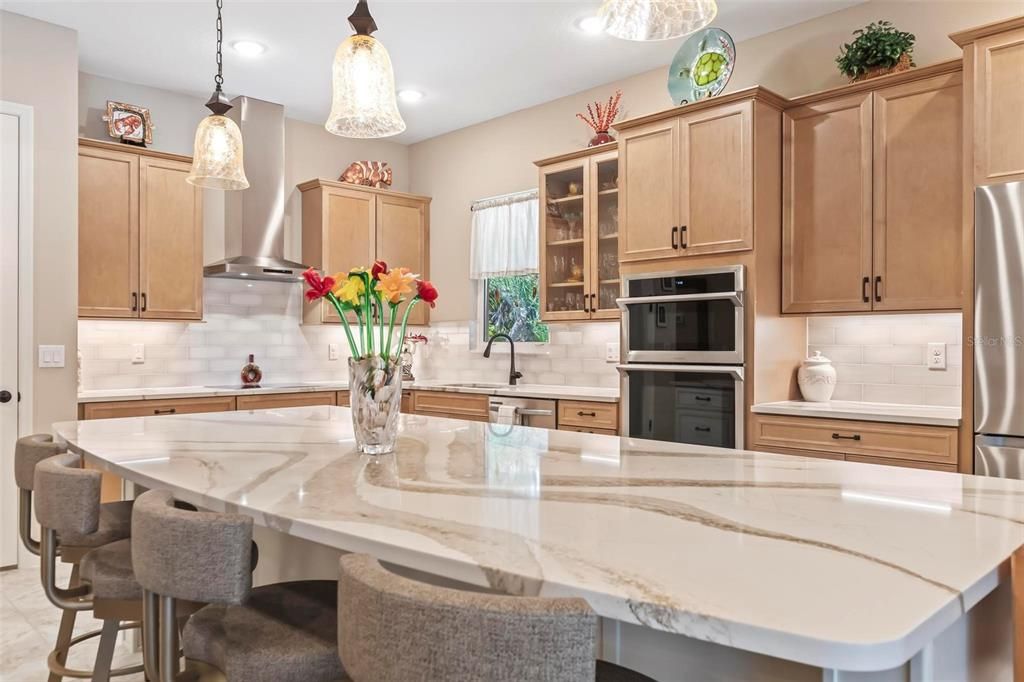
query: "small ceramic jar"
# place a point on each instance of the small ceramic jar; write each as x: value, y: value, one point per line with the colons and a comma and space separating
x: 817, y: 378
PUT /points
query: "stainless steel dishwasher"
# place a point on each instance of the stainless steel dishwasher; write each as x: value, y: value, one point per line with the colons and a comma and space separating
x: 529, y: 411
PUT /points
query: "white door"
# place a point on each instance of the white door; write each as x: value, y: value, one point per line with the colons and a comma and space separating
x: 10, y: 219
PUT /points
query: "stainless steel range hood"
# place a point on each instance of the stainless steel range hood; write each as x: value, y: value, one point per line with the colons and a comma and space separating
x: 254, y: 217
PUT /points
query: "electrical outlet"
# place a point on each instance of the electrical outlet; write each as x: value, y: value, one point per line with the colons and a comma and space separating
x: 51, y: 356
x: 611, y: 352
x: 936, y: 356
x: 138, y: 353
x: 332, y: 351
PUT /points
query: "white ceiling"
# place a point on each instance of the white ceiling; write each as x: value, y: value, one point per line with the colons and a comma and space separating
x: 473, y: 59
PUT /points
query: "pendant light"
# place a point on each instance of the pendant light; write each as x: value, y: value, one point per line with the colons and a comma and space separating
x: 217, y: 157
x: 656, y: 19
x: 364, y: 104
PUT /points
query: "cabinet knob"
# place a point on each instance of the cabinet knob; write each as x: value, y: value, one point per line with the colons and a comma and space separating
x: 143, y: 301
x: 675, y: 237
x: 836, y: 436
x: 135, y: 301
x: 5, y: 396
x: 682, y: 237
x: 878, y: 287
x: 864, y: 290
x: 169, y: 410
x: 581, y: 413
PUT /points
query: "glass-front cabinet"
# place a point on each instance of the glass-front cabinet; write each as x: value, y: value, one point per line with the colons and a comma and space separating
x: 579, y: 229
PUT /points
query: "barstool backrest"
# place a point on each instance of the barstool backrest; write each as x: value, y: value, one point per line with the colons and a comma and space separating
x: 391, y: 629
x: 67, y: 497
x: 193, y: 555
x: 30, y: 451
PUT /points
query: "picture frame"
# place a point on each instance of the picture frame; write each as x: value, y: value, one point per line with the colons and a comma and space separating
x: 129, y: 123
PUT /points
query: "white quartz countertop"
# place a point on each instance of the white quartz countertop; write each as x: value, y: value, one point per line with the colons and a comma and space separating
x: 522, y: 390
x: 872, y: 412
x: 835, y: 564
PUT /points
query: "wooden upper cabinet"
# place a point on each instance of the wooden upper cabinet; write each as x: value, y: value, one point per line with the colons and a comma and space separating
x: 826, y: 206
x: 347, y: 226
x: 140, y: 234
x: 994, y: 73
x: 918, y: 195
x: 648, y: 201
x: 170, y: 242
x: 402, y: 242
x: 688, y: 176
x: 108, y: 233
x: 714, y: 155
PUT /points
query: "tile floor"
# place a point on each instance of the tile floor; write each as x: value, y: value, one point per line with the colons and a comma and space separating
x: 28, y: 628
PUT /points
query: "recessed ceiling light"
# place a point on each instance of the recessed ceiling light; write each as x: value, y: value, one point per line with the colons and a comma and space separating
x: 591, y: 25
x: 410, y: 95
x: 248, y: 48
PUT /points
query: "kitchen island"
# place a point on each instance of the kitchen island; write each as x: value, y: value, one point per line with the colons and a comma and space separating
x: 703, y: 563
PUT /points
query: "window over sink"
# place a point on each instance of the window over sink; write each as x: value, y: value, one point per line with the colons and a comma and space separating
x: 511, y: 305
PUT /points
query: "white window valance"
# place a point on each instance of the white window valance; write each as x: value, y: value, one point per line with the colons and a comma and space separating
x: 504, y: 239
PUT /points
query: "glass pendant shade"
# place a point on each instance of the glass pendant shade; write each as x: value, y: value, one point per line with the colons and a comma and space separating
x: 217, y: 159
x: 364, y: 104
x: 656, y: 19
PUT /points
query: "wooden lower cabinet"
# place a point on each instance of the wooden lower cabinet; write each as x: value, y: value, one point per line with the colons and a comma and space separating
x: 912, y: 445
x: 588, y: 415
x: 271, y: 400
x: 580, y: 429
x: 472, y: 407
x: 344, y: 399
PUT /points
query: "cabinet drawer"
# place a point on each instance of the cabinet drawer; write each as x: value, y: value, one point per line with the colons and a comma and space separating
x: 581, y: 429
x: 818, y: 454
x: 344, y: 400
x: 272, y: 400
x: 902, y: 463
x: 452, y: 405
x: 586, y: 414
x: 150, y: 408
x: 704, y: 399
x: 935, y: 444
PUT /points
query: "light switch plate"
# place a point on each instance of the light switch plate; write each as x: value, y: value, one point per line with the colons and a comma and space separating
x: 138, y: 353
x: 51, y: 356
x: 332, y: 351
x: 936, y: 356
x: 611, y: 352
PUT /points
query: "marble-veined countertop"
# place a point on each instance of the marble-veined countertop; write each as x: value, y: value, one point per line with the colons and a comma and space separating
x: 835, y: 564
x: 933, y: 415
x: 548, y: 391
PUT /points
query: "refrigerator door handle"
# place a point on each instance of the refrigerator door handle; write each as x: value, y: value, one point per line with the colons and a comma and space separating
x: 987, y: 441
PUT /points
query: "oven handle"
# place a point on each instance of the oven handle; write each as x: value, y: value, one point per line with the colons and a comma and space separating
x: 735, y: 372
x: 735, y: 296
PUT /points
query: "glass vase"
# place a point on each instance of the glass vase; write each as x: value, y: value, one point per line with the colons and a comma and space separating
x: 375, y: 387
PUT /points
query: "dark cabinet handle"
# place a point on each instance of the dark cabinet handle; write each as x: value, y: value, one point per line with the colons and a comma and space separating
x: 682, y: 237
x: 675, y: 237
x: 135, y: 301
x: 878, y: 285
x: 143, y: 301
x: 581, y: 413
x: 864, y: 289
x: 593, y: 304
x: 836, y: 436
x: 169, y: 410
x: 705, y: 429
x: 5, y: 396
x: 703, y: 398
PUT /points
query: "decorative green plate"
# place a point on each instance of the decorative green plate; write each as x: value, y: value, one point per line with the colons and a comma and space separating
x: 702, y: 66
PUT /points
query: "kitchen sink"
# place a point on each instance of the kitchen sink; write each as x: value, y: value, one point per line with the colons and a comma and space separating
x: 471, y: 384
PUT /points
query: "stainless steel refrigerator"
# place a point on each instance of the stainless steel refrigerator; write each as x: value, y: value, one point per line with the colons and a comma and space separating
x: 998, y: 339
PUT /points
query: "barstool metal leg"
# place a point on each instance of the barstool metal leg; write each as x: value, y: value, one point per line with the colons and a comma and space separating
x: 168, y: 655
x: 150, y: 635
x: 105, y: 653
x: 66, y: 630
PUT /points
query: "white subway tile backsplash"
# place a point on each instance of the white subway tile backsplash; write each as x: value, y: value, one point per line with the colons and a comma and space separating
x: 882, y: 358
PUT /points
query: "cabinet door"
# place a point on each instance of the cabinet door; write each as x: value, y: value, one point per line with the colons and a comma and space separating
x: 565, y: 277
x: 348, y: 235
x: 716, y: 164
x: 648, y: 200
x: 826, y: 206
x: 918, y: 195
x: 403, y: 241
x: 602, y: 232
x: 170, y: 242
x: 108, y: 233
x: 998, y: 72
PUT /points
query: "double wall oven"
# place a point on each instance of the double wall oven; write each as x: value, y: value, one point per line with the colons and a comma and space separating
x: 682, y: 356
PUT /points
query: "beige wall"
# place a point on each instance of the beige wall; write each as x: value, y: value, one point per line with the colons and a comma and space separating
x: 497, y: 156
x: 310, y: 151
x: 39, y: 68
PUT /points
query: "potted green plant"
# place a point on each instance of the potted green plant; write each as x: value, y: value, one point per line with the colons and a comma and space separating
x: 877, y: 49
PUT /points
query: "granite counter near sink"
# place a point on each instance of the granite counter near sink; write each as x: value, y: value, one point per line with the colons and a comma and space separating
x: 547, y: 391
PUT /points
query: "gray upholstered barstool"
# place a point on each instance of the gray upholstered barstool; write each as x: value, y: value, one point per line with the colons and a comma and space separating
x: 67, y: 503
x: 285, y: 632
x: 393, y: 629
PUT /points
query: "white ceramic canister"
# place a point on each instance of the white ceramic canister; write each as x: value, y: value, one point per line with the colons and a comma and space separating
x: 817, y: 378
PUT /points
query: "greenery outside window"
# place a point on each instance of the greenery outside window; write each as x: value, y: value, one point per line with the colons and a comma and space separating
x: 511, y: 305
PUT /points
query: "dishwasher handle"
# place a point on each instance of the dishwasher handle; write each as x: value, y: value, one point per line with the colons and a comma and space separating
x: 528, y: 412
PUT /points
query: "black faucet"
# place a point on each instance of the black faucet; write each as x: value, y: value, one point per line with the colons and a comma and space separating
x: 512, y: 373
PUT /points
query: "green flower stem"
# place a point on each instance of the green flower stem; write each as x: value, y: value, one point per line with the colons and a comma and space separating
x: 359, y: 317
x: 405, y: 318
x: 344, y: 322
x: 368, y: 312
x: 391, y: 329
